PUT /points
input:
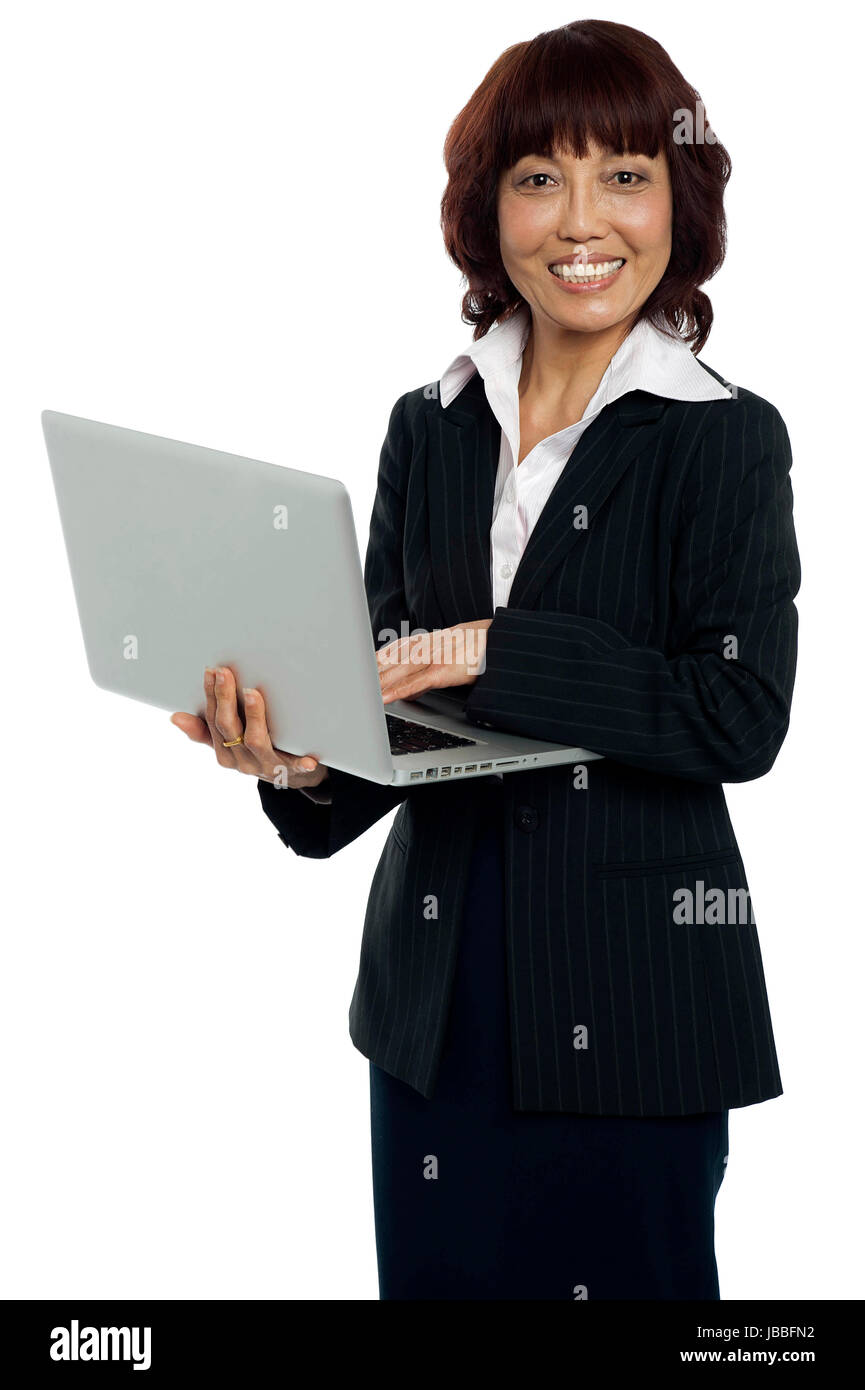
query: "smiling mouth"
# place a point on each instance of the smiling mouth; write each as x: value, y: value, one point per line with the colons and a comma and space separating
x: 579, y: 274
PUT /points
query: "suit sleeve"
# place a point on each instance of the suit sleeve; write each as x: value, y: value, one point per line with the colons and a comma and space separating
x: 315, y: 828
x: 715, y: 705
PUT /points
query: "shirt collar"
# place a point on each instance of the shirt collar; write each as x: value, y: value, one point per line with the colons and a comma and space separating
x: 648, y: 360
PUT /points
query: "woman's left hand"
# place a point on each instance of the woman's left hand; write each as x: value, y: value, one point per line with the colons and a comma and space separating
x: 432, y: 660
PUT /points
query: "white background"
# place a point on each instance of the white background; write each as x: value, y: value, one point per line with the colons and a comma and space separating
x: 221, y: 225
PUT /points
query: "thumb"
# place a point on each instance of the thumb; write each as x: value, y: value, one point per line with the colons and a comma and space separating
x: 194, y: 728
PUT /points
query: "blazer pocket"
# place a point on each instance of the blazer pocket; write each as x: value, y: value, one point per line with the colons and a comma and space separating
x: 638, y: 868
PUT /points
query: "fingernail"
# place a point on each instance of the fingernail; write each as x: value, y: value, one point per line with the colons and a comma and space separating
x: 247, y: 690
x: 220, y: 677
x: 307, y: 763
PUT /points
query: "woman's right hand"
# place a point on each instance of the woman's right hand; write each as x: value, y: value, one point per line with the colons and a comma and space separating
x: 256, y: 756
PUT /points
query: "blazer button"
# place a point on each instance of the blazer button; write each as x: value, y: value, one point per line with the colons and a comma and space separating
x: 526, y: 818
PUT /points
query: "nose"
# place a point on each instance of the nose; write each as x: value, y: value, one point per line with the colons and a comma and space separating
x: 581, y: 220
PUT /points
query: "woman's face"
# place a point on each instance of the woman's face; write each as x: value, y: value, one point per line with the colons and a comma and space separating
x: 619, y: 208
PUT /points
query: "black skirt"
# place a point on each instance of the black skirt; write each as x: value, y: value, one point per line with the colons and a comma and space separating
x: 476, y: 1200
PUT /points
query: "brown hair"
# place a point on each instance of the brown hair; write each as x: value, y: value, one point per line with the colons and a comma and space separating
x: 588, y: 82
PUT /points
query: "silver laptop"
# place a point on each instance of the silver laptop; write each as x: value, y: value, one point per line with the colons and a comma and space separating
x: 184, y: 557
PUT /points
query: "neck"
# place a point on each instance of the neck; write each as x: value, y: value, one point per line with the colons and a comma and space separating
x: 563, y: 364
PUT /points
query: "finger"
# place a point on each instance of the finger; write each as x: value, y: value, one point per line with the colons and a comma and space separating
x: 258, y: 743
x: 295, y: 765
x: 228, y: 722
x: 194, y: 728
x: 415, y: 675
x: 416, y: 682
x: 387, y: 656
x: 403, y: 651
x: 256, y: 736
x: 407, y: 685
x: 216, y: 720
x: 411, y: 662
x: 391, y: 676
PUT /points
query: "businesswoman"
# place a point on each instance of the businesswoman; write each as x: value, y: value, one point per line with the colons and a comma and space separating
x: 560, y: 988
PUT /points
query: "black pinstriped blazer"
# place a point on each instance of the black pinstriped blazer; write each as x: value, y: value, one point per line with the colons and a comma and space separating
x: 663, y: 635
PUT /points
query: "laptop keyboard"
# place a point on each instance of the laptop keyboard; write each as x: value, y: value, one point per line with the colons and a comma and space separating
x: 406, y: 737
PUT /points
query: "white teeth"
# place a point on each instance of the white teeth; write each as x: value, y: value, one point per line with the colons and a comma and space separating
x: 586, y: 272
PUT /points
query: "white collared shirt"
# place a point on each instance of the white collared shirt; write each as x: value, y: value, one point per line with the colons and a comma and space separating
x: 647, y: 360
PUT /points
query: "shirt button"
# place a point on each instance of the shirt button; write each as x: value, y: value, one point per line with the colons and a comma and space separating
x: 526, y: 818
x: 506, y: 571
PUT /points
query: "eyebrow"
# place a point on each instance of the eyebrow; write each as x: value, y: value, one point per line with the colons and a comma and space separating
x: 605, y: 154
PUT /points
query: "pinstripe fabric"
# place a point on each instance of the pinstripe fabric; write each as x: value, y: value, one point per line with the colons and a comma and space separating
x: 617, y: 637
x: 648, y: 359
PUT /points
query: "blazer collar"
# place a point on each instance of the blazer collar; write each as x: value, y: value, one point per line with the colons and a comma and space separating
x: 650, y: 359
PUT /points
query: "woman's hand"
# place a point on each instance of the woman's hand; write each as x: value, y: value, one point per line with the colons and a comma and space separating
x: 256, y: 756
x: 432, y: 660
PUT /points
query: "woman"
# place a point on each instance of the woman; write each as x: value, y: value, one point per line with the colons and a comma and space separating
x: 560, y: 989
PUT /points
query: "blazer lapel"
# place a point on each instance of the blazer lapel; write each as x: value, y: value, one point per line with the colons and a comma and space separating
x: 462, y: 461
x: 611, y: 442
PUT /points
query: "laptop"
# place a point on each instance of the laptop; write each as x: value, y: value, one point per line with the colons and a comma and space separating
x: 183, y: 557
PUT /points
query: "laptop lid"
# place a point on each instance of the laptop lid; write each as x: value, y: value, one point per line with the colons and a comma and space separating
x: 183, y: 557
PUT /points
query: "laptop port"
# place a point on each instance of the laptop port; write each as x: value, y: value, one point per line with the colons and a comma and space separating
x: 444, y: 772
x: 432, y: 772
x: 511, y: 762
x: 484, y: 766
x: 457, y: 771
x: 414, y: 776
x: 471, y: 767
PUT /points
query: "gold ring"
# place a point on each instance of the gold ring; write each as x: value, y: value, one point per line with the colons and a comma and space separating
x: 231, y: 743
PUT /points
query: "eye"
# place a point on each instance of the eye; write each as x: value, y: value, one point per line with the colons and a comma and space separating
x: 631, y: 175
x: 537, y: 176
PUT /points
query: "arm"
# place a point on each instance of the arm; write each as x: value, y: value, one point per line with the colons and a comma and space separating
x: 690, y: 711
x: 306, y: 822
